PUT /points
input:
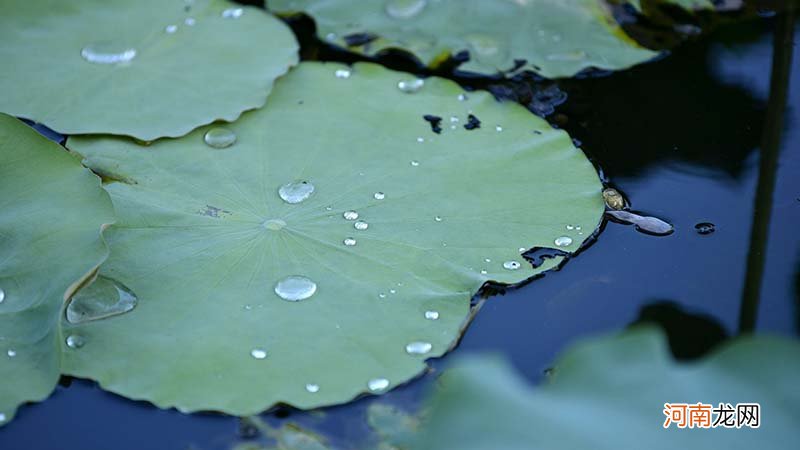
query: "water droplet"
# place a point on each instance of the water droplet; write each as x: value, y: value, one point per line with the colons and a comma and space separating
x: 432, y: 315
x: 462, y: 97
x: 438, y: 218
x: 189, y: 21
x: 350, y: 215
x: 104, y: 297
x: 705, y: 228
x: 404, y: 9
x: 523, y: 249
x: 108, y: 53
x: 511, y: 265
x: 342, y: 73
x: 329, y: 208
x: 331, y: 36
x: 420, y: 139
x: 379, y: 196
x: 563, y: 241
x: 484, y: 272
x: 382, y: 295
x: 219, y: 137
x: 378, y: 384
x: 361, y: 225
x: 418, y: 348
x: 578, y: 227
x: 258, y: 353
x: 411, y: 86
x: 415, y: 163
x: 232, y: 13
x: 487, y: 260
x: 295, y: 288
x: 171, y: 29
x: 11, y: 353
x: 2, y: 417
x: 296, y: 192
x: 392, y: 291
x: 312, y: 388
x: 349, y: 242
x: 75, y: 341
x: 570, y: 227
x: 498, y: 128
x: 2, y: 295
x: 274, y: 224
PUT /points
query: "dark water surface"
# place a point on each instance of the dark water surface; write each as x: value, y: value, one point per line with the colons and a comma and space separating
x: 681, y: 138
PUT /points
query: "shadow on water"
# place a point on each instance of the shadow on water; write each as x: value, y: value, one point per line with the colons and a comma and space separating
x: 681, y: 137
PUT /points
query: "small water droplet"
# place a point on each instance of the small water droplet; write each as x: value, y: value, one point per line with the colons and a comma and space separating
x: 75, y: 341
x: 2, y: 295
x: 349, y: 242
x: 418, y: 348
x: 189, y: 21
x: 104, y: 297
x: 462, y: 97
x: 415, y: 163
x: 350, y: 215
x: 219, y: 137
x: 570, y: 227
x: 411, y: 86
x: 343, y: 73
x: 108, y: 53
x: 563, y: 241
x: 295, y: 192
x: 171, y: 29
x: 379, y: 196
x: 378, y: 384
x: 432, y: 315
x: 453, y: 119
x: 420, y: 139
x: 382, y: 295
x: 523, y: 249
x: 312, y: 388
x: 361, y: 225
x: 258, y: 353
x: 511, y: 265
x: 498, y: 128
x: 392, y: 291
x: 438, y: 218
x: 705, y: 228
x: 232, y: 13
x: 487, y: 260
x: 11, y: 353
x: 2, y: 417
x: 329, y: 208
x: 331, y: 36
x: 295, y: 288
x: 484, y: 272
x: 248, y: 307
x: 577, y: 227
x: 404, y: 9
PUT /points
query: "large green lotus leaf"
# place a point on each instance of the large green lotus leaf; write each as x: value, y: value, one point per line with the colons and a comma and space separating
x: 51, y: 214
x: 146, y: 81
x: 204, y: 237
x: 610, y: 394
x: 556, y: 38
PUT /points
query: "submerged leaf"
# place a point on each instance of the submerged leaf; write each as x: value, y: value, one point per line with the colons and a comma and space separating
x: 51, y: 213
x: 553, y: 38
x: 610, y: 394
x: 251, y: 293
x: 144, y: 68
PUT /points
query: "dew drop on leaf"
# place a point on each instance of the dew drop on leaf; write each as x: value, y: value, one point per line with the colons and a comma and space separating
x: 418, y: 348
x: 75, y: 341
x: 219, y: 137
x: 350, y: 215
x: 232, y: 13
x: 312, y: 388
x: 296, y: 192
x: 378, y: 384
x: 11, y: 353
x: 349, y: 242
x: 379, y: 196
x: 170, y: 29
x: 104, y: 297
x: 342, y: 73
x: 432, y: 315
x: 108, y: 53
x: 258, y: 353
x: 563, y: 241
x: 361, y: 225
x: 295, y: 288
x: 2, y: 295
x: 511, y: 265
x: 411, y: 86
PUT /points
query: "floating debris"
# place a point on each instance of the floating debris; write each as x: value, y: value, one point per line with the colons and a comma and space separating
x: 435, y: 122
x: 472, y: 122
x: 645, y: 224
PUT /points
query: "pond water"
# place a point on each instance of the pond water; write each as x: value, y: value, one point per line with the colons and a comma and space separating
x: 680, y: 137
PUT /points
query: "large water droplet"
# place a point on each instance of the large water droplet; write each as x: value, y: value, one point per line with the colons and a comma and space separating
x: 312, y: 388
x: 361, y: 225
x: 432, y: 315
x: 232, y: 13
x: 379, y: 196
x: 378, y: 384
x: 349, y: 242
x: 404, y: 9
x: 511, y: 265
x: 258, y: 353
x: 295, y: 288
x: 75, y: 341
x: 296, y: 192
x: 343, y: 73
x: 350, y: 215
x: 219, y: 137
x: 411, y: 86
x: 104, y: 297
x: 563, y: 241
x: 108, y: 53
x: 418, y: 348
